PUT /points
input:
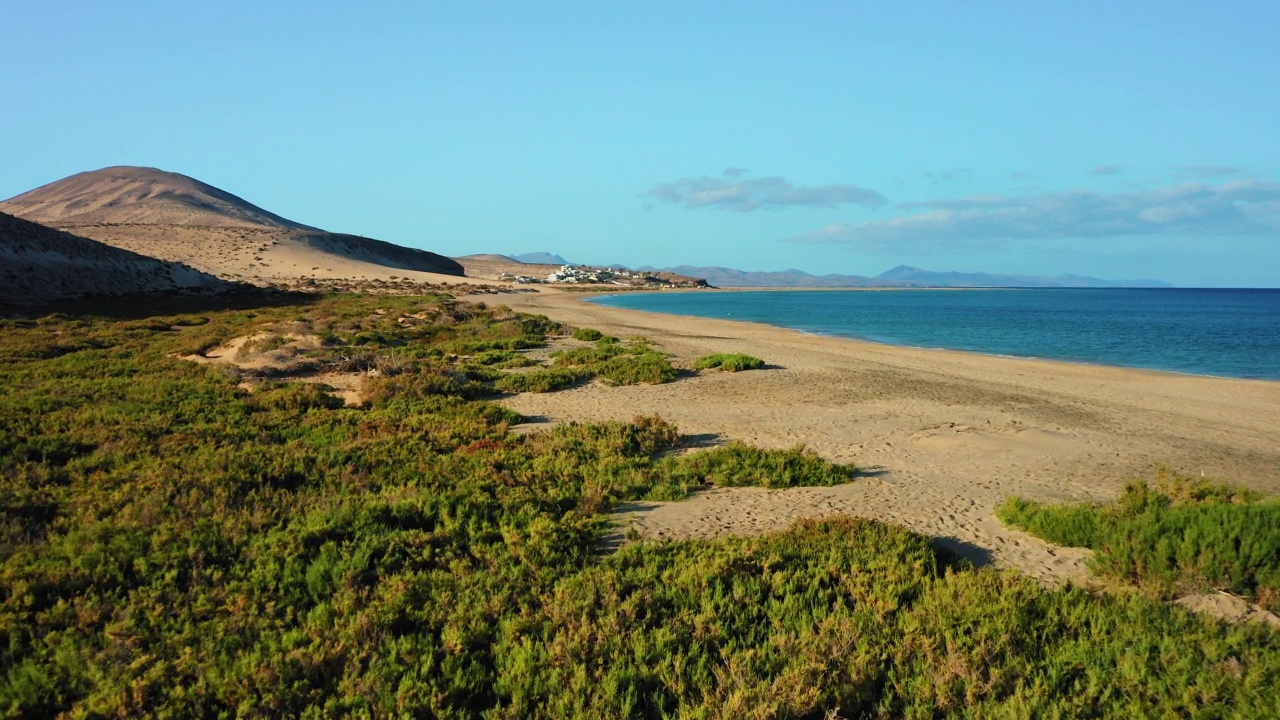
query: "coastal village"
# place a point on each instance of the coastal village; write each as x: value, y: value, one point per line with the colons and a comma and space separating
x: 586, y: 275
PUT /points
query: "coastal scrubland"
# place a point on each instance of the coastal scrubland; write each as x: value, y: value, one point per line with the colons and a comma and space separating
x: 729, y: 362
x: 194, y: 538
x: 1176, y: 536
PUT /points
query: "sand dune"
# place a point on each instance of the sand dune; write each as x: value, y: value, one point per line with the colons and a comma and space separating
x: 176, y: 218
x: 40, y: 264
x: 942, y: 436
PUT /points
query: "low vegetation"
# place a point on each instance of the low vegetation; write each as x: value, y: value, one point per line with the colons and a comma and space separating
x: 542, y: 380
x: 620, y: 363
x: 174, y: 545
x: 741, y: 464
x: 729, y: 362
x: 503, y: 359
x: 1176, y: 537
x: 587, y: 334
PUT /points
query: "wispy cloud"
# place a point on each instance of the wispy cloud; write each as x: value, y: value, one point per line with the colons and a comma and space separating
x: 1209, y: 171
x: 1242, y: 207
x: 943, y: 176
x: 1106, y: 170
x: 732, y: 191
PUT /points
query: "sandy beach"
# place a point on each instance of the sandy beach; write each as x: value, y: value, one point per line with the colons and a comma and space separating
x: 941, y: 436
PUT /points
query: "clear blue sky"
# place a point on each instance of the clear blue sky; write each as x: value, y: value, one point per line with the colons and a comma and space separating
x: 1115, y: 139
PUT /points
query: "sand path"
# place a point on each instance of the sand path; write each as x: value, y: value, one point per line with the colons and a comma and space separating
x: 942, y: 436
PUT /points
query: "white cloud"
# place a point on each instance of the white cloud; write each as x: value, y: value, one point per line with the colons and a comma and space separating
x: 1242, y: 207
x: 732, y: 192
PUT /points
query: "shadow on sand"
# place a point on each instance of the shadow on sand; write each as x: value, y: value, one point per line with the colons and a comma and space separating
x: 976, y: 554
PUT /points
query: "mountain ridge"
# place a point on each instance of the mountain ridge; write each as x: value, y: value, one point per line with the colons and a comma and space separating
x: 900, y: 276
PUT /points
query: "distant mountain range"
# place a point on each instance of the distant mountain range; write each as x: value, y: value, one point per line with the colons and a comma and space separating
x: 901, y: 276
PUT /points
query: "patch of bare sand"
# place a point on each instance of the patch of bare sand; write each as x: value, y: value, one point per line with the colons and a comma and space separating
x: 263, y: 352
x: 1226, y: 606
x: 285, y: 354
x: 942, y: 437
x: 348, y: 386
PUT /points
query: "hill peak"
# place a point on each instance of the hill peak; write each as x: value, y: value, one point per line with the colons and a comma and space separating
x: 898, y: 273
x: 139, y: 195
x: 540, y: 258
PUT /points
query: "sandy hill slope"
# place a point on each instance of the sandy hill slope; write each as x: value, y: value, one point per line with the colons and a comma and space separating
x: 176, y: 218
x: 39, y: 264
x: 496, y: 267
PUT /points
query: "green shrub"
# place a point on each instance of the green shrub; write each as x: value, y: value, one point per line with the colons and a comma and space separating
x: 480, y: 372
x: 729, y: 362
x: 1176, y: 537
x: 740, y: 464
x: 541, y: 380
x: 1071, y: 525
x: 375, y: 339
x: 587, y: 334
x: 583, y: 357
x: 295, y: 397
x: 472, y: 347
x: 425, y: 383
x: 649, y: 367
x: 504, y: 359
x: 618, y: 364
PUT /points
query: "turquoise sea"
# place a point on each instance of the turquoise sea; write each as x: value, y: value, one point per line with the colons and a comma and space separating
x: 1226, y: 332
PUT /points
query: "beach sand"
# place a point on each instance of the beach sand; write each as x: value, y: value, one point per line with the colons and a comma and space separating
x: 941, y: 437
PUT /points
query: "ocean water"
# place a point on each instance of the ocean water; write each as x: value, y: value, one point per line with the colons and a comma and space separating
x: 1232, y: 333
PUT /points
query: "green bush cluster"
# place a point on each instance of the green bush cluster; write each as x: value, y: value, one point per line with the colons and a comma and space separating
x: 173, y: 545
x: 1178, y: 536
x: 741, y: 464
x: 729, y: 362
x: 541, y: 380
x: 503, y: 359
x: 586, y: 357
x: 587, y: 334
x: 422, y: 384
x: 649, y: 367
x: 620, y: 364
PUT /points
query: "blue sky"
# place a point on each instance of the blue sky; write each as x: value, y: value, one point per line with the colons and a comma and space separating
x: 1115, y: 139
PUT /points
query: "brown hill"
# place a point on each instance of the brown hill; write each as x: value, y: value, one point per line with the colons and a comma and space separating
x: 176, y: 218
x: 139, y: 196
x: 39, y: 264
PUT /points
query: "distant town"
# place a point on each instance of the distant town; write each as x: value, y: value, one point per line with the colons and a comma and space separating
x: 585, y: 275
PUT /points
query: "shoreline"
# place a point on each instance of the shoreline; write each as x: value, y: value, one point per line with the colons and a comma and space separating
x: 815, y: 333
x: 941, y: 436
